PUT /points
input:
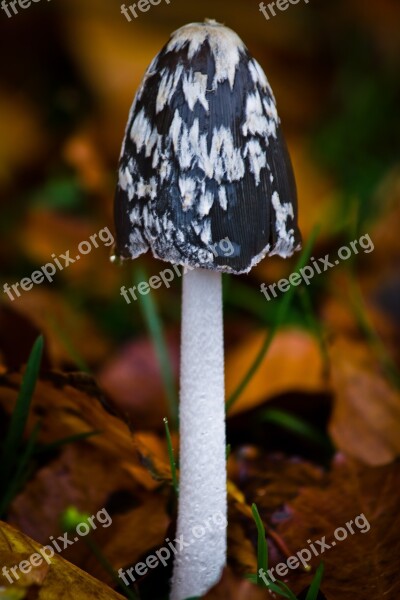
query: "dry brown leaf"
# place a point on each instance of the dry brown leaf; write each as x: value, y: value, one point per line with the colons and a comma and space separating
x: 271, y: 482
x: 241, y: 551
x: 53, y: 581
x: 45, y: 233
x: 366, y: 416
x: 132, y: 535
x: 133, y: 380
x: 292, y: 363
x: 97, y: 473
x: 63, y: 326
x: 302, y: 504
x: 363, y: 565
x: 67, y: 406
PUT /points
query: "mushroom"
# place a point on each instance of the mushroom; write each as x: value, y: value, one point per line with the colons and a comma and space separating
x: 204, y: 169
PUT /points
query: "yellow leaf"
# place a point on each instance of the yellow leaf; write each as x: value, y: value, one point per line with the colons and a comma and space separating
x: 50, y: 581
x: 292, y: 363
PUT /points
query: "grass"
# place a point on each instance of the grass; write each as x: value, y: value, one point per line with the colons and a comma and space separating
x: 279, y: 587
x: 69, y: 347
x: 296, y: 425
x: 280, y: 319
x: 12, y: 464
x: 370, y: 334
x: 175, y: 484
x: 153, y: 321
x: 16, y: 454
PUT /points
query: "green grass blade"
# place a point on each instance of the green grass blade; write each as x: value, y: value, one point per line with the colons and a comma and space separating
x: 154, y: 325
x: 262, y: 558
x: 296, y: 425
x: 20, y: 414
x: 281, y: 316
x: 107, y: 566
x: 313, y: 324
x: 69, y: 346
x: 262, y: 547
x: 313, y: 590
x: 364, y: 322
x: 244, y: 297
x: 171, y: 458
x: 274, y: 586
x: 284, y: 590
x: 17, y: 481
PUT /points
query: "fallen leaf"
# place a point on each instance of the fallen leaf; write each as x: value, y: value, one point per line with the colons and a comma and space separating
x: 47, y: 237
x: 364, y: 564
x: 67, y: 406
x: 53, y: 581
x: 132, y: 535
x: 67, y: 330
x: 132, y: 378
x: 293, y: 363
x: 366, y: 415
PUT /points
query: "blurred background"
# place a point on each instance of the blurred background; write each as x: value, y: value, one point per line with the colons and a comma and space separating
x: 329, y: 380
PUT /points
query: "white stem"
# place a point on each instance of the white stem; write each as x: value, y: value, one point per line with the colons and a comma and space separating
x: 202, y: 507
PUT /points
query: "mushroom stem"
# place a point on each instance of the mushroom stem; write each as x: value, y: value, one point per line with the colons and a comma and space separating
x: 202, y: 506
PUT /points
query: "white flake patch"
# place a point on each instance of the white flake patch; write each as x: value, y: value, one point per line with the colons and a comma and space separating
x: 225, y: 46
x: 134, y: 216
x: 142, y: 133
x: 256, y: 157
x: 271, y: 111
x: 144, y: 189
x: 165, y: 170
x: 205, y: 234
x: 168, y: 84
x: 180, y: 236
x: 151, y: 142
x: 285, y: 242
x: 157, y: 153
x: 187, y: 188
x: 175, y: 131
x: 194, y: 87
x: 137, y: 242
x: 258, y: 74
x: 205, y: 204
x: 224, y: 160
x: 125, y: 178
x: 186, y: 155
x: 256, y: 122
x: 223, y: 200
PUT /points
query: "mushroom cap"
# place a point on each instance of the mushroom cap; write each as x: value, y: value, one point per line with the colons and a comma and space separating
x: 205, y: 179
